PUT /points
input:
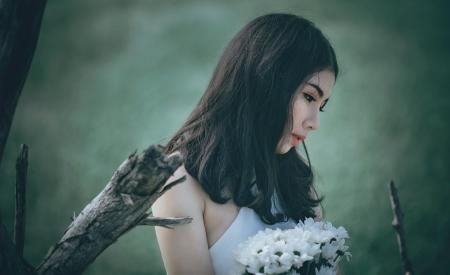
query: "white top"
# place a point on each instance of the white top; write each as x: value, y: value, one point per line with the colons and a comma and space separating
x: 247, y: 223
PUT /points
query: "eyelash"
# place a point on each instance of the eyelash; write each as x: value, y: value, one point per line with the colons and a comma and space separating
x: 310, y: 98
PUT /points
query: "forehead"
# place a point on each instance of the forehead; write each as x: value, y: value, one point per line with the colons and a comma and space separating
x: 324, y: 80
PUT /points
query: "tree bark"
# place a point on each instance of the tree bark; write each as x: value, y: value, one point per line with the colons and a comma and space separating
x: 122, y: 205
x: 20, y: 21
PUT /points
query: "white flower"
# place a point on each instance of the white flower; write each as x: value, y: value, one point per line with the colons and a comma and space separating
x: 280, y: 251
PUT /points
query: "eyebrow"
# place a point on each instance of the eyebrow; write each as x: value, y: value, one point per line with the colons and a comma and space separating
x: 317, y: 88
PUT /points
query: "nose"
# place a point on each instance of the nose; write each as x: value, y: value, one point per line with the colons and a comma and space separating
x: 312, y: 121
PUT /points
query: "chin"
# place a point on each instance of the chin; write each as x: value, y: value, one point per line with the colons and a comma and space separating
x: 283, y: 150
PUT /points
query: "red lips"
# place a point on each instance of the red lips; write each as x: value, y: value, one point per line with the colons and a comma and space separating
x: 297, y: 138
x: 300, y: 137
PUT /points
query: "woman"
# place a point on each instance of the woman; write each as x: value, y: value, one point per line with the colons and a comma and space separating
x: 243, y: 172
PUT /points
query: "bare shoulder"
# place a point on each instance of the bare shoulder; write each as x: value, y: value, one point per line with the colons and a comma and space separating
x: 184, y: 248
x: 182, y: 198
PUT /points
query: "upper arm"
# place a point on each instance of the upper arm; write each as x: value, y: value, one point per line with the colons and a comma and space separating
x: 184, y: 249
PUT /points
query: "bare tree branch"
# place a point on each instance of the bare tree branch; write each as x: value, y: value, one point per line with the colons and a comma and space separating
x: 164, y: 222
x: 121, y: 206
x: 21, y: 180
x: 10, y: 261
x: 171, y: 184
x: 11, y: 255
x: 397, y: 223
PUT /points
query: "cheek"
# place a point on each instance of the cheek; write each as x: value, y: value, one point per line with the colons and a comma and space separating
x: 298, y: 112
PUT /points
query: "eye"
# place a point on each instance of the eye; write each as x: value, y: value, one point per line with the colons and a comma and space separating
x: 308, y: 97
x: 323, y: 106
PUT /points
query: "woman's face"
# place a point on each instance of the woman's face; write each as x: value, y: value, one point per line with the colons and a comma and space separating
x: 309, y: 100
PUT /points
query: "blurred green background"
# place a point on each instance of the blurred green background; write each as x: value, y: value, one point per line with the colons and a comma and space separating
x: 113, y: 76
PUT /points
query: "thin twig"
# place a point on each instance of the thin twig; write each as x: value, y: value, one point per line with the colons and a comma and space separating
x: 165, y: 222
x: 397, y: 223
x: 172, y: 184
x: 21, y: 180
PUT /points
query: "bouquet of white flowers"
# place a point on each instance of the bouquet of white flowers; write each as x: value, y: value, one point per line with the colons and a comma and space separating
x: 308, y: 248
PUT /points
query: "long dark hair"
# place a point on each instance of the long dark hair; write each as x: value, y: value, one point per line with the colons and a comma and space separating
x: 229, y: 140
